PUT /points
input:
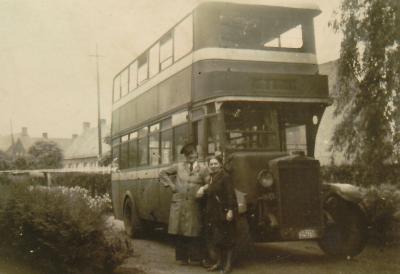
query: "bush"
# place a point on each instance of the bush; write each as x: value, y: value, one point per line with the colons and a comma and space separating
x: 383, y: 209
x: 97, y: 184
x: 338, y: 174
x: 59, y: 229
x: 352, y: 174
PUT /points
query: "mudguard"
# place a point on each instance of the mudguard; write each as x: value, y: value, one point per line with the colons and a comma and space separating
x: 347, y: 192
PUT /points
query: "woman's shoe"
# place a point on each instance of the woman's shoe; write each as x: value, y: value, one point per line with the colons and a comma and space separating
x: 205, y: 263
x: 214, y: 267
x: 227, y: 270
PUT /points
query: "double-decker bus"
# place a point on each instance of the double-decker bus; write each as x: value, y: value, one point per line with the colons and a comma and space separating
x: 239, y: 77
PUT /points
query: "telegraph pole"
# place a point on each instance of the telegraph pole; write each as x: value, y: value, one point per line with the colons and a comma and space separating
x: 12, y: 141
x: 97, y: 56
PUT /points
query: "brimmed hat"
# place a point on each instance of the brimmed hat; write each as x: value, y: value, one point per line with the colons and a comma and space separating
x: 188, y: 148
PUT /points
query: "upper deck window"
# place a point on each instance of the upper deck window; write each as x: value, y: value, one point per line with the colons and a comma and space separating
x: 292, y: 38
x: 183, y: 38
x: 241, y: 30
x: 154, y: 60
x: 166, y: 50
x: 124, y: 82
x: 133, y: 76
x: 143, y: 70
x: 117, y: 88
x: 255, y: 27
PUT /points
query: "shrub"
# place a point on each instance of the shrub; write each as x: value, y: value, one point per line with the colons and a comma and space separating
x: 383, y: 209
x: 45, y: 154
x: 59, y: 229
x: 339, y: 174
x: 4, y: 179
x: 351, y: 174
x: 97, y: 184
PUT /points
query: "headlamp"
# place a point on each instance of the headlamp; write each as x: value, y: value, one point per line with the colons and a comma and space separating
x: 265, y: 178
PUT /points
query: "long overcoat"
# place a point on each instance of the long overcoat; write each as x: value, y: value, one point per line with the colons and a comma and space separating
x: 185, y: 213
x: 220, y: 198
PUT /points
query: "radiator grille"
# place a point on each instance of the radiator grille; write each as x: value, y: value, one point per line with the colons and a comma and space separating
x: 299, y: 195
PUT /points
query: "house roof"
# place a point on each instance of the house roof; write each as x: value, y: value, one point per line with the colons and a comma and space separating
x: 86, y: 144
x: 27, y: 141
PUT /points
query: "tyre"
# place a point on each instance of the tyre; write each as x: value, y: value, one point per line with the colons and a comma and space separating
x: 133, y: 224
x: 345, y: 233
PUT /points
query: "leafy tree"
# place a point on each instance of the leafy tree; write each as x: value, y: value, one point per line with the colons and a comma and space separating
x: 22, y: 163
x: 5, y: 161
x: 46, y: 154
x: 367, y: 93
x: 106, y: 159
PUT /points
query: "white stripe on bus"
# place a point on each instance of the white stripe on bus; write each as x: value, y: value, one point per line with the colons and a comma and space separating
x: 254, y: 55
x: 274, y: 3
x: 268, y: 99
x: 151, y: 173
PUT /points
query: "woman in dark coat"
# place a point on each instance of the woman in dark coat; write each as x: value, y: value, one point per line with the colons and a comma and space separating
x: 220, y: 213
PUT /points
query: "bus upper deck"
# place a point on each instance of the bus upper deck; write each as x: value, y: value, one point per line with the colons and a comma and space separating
x: 221, y: 51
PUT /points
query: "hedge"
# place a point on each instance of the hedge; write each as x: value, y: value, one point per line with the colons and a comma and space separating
x: 97, y: 184
x: 59, y: 229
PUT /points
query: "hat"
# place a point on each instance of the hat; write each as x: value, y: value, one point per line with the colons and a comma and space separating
x: 188, y: 148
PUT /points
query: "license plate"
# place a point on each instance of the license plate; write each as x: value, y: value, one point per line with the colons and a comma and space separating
x: 308, y: 234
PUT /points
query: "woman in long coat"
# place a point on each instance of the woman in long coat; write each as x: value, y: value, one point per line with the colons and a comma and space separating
x: 185, y: 218
x: 220, y: 214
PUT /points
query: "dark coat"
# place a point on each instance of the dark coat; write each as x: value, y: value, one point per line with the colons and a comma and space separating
x: 185, y: 212
x: 220, y: 198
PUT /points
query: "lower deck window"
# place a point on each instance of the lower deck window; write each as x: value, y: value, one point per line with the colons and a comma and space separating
x: 133, y: 153
x: 154, y: 149
x: 180, y: 139
x: 124, y: 156
x: 143, y: 152
x: 166, y: 146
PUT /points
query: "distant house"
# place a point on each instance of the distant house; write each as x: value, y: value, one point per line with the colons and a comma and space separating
x: 83, y: 153
x: 18, y: 144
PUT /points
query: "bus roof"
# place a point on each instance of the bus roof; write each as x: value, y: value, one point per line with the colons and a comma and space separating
x: 295, y: 4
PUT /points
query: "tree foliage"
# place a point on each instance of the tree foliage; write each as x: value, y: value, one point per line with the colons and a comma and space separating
x: 46, y: 154
x: 367, y: 93
x: 5, y: 161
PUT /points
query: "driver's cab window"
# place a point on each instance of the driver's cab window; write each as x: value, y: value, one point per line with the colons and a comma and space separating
x: 296, y: 138
x: 213, y: 139
x: 251, y: 126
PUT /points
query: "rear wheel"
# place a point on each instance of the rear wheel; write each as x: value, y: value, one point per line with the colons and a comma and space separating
x: 133, y: 224
x: 345, y: 232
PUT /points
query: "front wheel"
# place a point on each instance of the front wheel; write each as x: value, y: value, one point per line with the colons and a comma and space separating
x: 345, y: 233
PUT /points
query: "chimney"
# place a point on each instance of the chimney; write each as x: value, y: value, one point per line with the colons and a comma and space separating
x: 74, y: 136
x: 24, y: 131
x: 86, y: 126
x: 44, y: 135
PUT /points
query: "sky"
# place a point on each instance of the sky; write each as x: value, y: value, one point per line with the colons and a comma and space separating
x: 47, y: 73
